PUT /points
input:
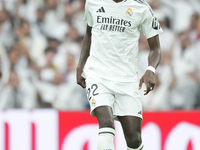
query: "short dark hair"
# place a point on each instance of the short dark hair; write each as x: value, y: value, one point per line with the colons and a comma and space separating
x: 49, y: 49
x: 196, y: 16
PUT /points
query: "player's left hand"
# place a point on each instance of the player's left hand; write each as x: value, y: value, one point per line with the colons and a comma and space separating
x: 80, y: 80
x: 148, y: 79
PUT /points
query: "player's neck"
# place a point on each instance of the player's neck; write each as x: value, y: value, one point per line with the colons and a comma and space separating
x: 117, y: 1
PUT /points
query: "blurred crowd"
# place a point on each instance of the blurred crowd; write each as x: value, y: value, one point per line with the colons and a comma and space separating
x: 178, y: 75
x: 40, y: 44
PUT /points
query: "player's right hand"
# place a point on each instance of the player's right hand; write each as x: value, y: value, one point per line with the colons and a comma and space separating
x: 79, y: 79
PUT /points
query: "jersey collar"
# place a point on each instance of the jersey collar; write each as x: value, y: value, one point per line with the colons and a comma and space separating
x: 118, y: 4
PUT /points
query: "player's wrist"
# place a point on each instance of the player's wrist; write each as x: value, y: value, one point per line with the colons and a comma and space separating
x: 152, y: 69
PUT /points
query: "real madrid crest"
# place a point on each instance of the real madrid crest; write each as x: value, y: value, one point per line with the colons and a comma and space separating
x: 129, y: 12
x: 93, y: 102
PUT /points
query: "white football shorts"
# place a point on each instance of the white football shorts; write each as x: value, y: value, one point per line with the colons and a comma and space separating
x: 123, y: 97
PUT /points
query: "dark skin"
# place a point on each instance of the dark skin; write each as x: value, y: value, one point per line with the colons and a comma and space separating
x: 83, y: 57
x: 131, y: 125
x: 117, y: 1
x: 153, y: 60
x: 147, y: 78
x: 85, y: 54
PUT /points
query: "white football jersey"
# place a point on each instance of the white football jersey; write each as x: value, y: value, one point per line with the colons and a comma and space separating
x: 115, y: 32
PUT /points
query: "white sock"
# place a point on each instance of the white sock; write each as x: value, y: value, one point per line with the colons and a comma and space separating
x: 139, y: 148
x: 106, y: 139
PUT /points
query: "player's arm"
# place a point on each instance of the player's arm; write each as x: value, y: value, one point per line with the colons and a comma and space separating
x: 85, y: 52
x: 153, y: 60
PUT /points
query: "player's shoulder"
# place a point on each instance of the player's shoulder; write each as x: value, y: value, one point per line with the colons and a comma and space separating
x: 95, y: 1
x: 142, y: 7
x: 139, y: 4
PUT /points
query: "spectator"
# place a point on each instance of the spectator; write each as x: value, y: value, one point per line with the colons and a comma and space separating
x: 17, y: 93
x: 25, y: 9
x: 19, y: 61
x: 179, y: 9
x: 48, y: 78
x: 34, y: 43
x: 79, y: 7
x: 157, y: 99
x: 70, y: 45
x: 39, y: 23
x: 193, y: 28
x: 40, y: 42
x: 183, y: 89
x: 167, y: 38
x: 53, y: 20
x: 4, y: 67
x: 69, y: 13
x: 6, y: 34
x: 70, y: 96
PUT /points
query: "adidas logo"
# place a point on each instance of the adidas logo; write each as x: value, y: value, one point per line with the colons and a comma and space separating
x: 140, y: 112
x: 101, y: 10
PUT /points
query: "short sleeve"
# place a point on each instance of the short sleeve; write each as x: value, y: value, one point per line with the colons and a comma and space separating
x: 87, y: 16
x: 150, y: 25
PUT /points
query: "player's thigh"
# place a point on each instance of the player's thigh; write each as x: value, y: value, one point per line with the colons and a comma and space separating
x: 101, y: 100
x: 104, y: 115
x: 130, y: 124
x: 128, y: 109
x: 132, y: 127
